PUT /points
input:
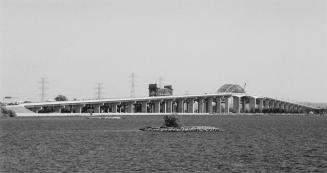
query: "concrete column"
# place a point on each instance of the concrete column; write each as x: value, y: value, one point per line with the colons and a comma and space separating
x: 271, y: 104
x: 77, y: 108
x: 114, y: 107
x: 290, y: 108
x: 144, y: 107
x: 169, y: 106
x: 58, y: 109
x: 282, y: 106
x: 286, y: 107
x: 190, y: 106
x: 277, y: 105
x: 163, y: 107
x: 296, y: 108
x: 266, y: 104
x: 236, y: 104
x: 226, y: 105
x: 130, y: 108
x: 180, y: 106
x: 218, y: 105
x: 243, y: 102
x: 260, y: 105
x: 36, y: 109
x: 157, y: 106
x: 252, y: 104
x: 68, y: 107
x: 96, y: 108
x: 205, y: 106
x: 209, y: 104
x: 200, y: 105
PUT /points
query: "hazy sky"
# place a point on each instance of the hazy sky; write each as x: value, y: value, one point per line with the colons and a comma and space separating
x: 279, y: 47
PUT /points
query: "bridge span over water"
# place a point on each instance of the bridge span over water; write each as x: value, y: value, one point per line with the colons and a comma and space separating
x: 207, y: 103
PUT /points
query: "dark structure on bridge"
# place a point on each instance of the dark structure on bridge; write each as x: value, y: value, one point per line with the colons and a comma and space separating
x: 155, y: 91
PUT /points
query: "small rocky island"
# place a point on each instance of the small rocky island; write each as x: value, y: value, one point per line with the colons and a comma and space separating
x: 171, y: 124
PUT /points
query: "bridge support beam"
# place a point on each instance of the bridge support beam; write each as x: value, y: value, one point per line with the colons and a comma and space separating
x: 271, y: 104
x: 130, y: 107
x: 190, y: 106
x: 163, y: 107
x: 282, y: 106
x: 200, y: 105
x: 243, y: 103
x: 77, y: 108
x: 180, y: 106
x: 157, y: 106
x: 36, y: 109
x: 277, y: 105
x: 144, y: 107
x: 226, y: 105
x: 266, y: 104
x: 286, y: 107
x: 169, y: 106
x: 218, y: 105
x: 57, y: 109
x: 209, y: 104
x: 114, y: 107
x: 252, y: 103
x: 236, y: 104
x: 97, y: 108
x: 260, y: 106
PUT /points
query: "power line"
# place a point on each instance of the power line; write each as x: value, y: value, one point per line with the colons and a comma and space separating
x: 132, y: 85
x: 99, y: 90
x: 43, y: 88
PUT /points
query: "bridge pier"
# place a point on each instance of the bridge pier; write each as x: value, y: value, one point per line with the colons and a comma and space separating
x: 157, y: 106
x: 236, y: 104
x: 218, y: 105
x: 271, y: 104
x: 266, y: 104
x: 286, y: 107
x: 226, y: 105
x: 144, y: 106
x: 96, y: 108
x: 163, y: 107
x: 260, y: 106
x: 277, y: 105
x: 243, y: 103
x: 114, y: 107
x: 77, y: 108
x: 130, y: 107
x: 200, y: 105
x: 252, y: 104
x: 58, y: 109
x: 180, y: 106
x: 169, y: 106
x: 36, y: 109
x: 282, y: 106
x: 190, y: 105
x: 209, y: 104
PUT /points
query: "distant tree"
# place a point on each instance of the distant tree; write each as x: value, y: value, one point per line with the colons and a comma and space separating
x: 61, y: 98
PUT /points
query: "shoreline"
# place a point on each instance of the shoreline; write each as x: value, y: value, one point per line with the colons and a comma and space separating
x: 150, y: 114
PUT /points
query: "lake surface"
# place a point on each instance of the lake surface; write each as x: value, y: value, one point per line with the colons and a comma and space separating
x: 248, y: 144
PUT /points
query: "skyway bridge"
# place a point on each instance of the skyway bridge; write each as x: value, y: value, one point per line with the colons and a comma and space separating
x: 219, y: 103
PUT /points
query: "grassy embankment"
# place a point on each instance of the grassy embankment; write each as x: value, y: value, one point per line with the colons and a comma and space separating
x: 4, y: 112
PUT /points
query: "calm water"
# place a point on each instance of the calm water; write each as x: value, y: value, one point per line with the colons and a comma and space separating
x: 249, y: 144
